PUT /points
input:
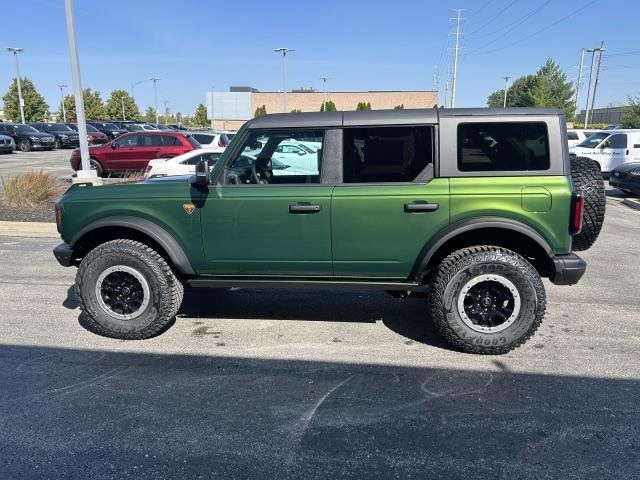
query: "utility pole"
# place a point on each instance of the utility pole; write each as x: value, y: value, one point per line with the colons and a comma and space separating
x: 595, y: 84
x: 86, y: 171
x: 284, y: 51
x: 455, y: 57
x: 435, y: 80
x: 579, y: 80
x: 155, y: 96
x: 324, y: 89
x: 446, y: 92
x: 64, y: 112
x: 15, y: 52
x: 212, y: 120
x: 122, y: 104
x: 592, y: 51
x: 166, y: 111
x: 506, y: 80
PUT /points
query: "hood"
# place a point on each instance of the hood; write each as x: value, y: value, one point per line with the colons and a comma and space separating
x: 627, y: 167
x: 37, y: 134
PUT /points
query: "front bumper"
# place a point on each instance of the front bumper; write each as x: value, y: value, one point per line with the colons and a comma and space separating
x: 568, y: 269
x: 69, y: 142
x: 64, y: 254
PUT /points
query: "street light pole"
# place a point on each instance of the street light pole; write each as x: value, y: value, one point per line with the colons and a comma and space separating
x: 284, y: 51
x: 15, y: 52
x: 506, y: 80
x: 122, y: 105
x: 324, y: 87
x: 212, y: 120
x: 155, y: 96
x: 86, y: 171
x: 64, y: 112
x: 166, y: 111
x: 133, y: 88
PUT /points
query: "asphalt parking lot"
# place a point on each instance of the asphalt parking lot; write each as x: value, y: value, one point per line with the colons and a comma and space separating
x: 55, y: 162
x: 319, y: 384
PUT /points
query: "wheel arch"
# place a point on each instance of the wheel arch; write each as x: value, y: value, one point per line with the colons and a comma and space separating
x: 133, y: 228
x: 495, y: 231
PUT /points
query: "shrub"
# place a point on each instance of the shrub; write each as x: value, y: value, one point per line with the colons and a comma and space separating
x: 34, y: 187
x: 260, y: 111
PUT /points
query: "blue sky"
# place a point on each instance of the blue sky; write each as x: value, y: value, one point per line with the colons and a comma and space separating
x: 359, y: 45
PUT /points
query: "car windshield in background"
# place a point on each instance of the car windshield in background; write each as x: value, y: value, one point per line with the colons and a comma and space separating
x: 111, y: 126
x: 59, y: 127
x: 193, y: 141
x: 134, y: 128
x: 592, y: 141
x: 92, y: 129
x: 27, y: 129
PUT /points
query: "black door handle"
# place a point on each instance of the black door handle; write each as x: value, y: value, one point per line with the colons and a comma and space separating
x: 417, y: 207
x: 304, y: 208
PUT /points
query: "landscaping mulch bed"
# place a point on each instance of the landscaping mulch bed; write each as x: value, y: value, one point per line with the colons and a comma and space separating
x: 40, y: 213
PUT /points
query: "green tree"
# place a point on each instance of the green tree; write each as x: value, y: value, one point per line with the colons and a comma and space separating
x: 200, y: 116
x: 296, y: 110
x: 328, y: 106
x: 548, y: 87
x: 93, y: 106
x: 35, y: 108
x: 631, y: 113
x: 113, y: 107
x: 150, y: 114
x: 260, y: 111
x: 399, y: 107
x: 364, y: 106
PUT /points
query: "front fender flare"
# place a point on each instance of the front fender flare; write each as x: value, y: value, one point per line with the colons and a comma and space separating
x: 153, y: 230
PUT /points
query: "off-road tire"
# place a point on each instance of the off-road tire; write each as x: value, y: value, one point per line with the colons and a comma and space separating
x: 463, y: 265
x: 587, y: 180
x: 165, y: 289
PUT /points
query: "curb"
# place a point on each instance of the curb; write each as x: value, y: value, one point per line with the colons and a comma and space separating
x: 29, y: 229
x: 632, y: 203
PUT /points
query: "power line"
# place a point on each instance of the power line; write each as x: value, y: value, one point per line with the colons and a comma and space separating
x: 544, y: 29
x: 492, y: 19
x: 621, y: 54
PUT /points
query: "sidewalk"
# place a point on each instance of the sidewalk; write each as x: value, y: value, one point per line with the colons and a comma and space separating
x: 28, y: 229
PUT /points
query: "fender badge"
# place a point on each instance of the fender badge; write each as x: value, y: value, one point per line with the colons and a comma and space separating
x: 189, y: 208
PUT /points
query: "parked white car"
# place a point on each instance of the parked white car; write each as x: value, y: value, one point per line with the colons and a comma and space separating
x: 577, y: 135
x: 610, y: 148
x: 216, y: 141
x: 184, y: 164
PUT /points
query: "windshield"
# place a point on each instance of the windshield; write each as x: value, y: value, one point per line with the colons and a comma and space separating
x: 134, y: 128
x: 111, y: 126
x: 27, y: 129
x: 92, y: 129
x: 592, y: 141
x: 59, y: 127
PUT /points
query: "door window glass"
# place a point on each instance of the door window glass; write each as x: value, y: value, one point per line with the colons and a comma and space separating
x: 618, y: 140
x: 503, y: 146
x: 262, y: 159
x: 130, y: 141
x: 386, y: 154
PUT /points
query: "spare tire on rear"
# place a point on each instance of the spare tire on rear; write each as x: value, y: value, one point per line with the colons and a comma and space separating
x: 587, y: 180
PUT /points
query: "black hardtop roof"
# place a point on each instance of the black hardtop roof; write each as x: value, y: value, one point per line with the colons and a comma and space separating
x: 387, y: 117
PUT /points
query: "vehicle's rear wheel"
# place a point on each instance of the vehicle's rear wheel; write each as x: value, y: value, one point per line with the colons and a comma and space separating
x: 97, y: 166
x: 486, y: 300
x: 587, y: 180
x: 25, y: 145
x: 127, y: 290
x: 57, y: 144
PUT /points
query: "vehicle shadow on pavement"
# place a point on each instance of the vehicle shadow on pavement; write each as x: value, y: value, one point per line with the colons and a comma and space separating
x: 407, y: 317
x: 106, y: 414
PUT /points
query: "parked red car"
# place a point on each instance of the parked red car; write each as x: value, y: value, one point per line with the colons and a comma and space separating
x: 132, y: 151
x: 94, y: 136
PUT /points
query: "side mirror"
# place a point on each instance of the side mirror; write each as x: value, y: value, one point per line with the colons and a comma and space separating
x: 114, y: 145
x: 201, y: 177
x: 301, y: 153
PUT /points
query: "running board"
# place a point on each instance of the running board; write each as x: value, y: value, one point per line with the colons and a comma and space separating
x: 244, y: 283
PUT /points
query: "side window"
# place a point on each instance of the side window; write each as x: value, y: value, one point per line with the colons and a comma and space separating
x: 386, y: 154
x: 618, y: 140
x: 503, y: 146
x: 203, y: 138
x: 169, y: 140
x: 193, y: 160
x: 258, y: 162
x: 130, y: 141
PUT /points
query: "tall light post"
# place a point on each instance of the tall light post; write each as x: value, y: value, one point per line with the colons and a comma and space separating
x: 284, y: 51
x: 122, y: 105
x: 506, y: 81
x: 166, y: 111
x: 324, y: 88
x: 86, y: 171
x: 15, y: 52
x: 212, y: 120
x: 64, y: 112
x: 133, y: 88
x: 155, y: 96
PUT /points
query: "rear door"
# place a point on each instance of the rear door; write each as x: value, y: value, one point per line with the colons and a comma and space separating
x: 389, y: 204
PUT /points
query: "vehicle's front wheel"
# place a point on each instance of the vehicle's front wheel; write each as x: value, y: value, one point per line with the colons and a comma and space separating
x: 127, y: 290
x: 486, y: 300
x: 25, y: 145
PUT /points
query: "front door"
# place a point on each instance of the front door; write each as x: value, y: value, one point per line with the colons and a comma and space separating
x: 122, y: 152
x: 388, y: 205
x: 257, y: 223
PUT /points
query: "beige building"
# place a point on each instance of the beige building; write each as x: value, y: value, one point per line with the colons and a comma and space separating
x: 232, y: 109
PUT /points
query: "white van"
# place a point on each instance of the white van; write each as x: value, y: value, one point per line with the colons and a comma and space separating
x: 577, y: 135
x: 610, y: 148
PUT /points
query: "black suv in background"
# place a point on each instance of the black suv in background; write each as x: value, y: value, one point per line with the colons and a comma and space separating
x: 110, y: 129
x: 65, y: 137
x: 27, y: 138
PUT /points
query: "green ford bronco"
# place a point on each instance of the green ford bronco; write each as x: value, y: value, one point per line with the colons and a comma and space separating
x: 469, y: 207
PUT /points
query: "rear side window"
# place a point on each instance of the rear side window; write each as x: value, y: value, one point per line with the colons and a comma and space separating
x: 170, y: 140
x: 498, y: 146
x: 152, y: 140
x: 386, y: 154
x: 203, y: 138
